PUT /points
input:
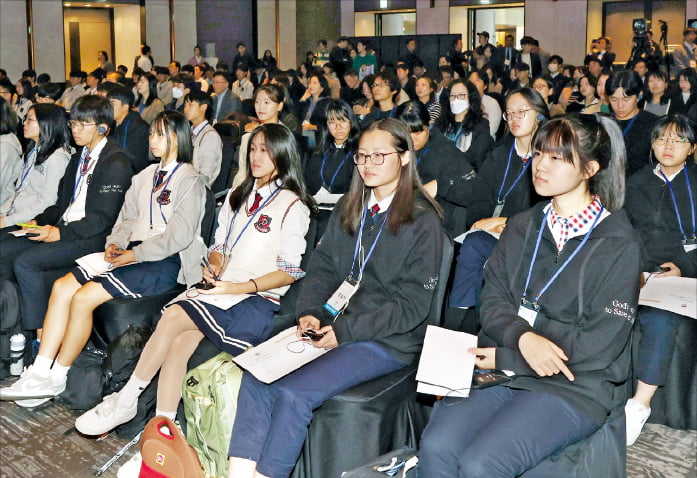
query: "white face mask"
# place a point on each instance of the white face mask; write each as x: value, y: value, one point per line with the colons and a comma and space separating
x: 177, y: 93
x: 459, y: 106
x: 553, y: 67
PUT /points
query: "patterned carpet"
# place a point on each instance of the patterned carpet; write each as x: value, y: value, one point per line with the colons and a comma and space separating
x: 42, y: 443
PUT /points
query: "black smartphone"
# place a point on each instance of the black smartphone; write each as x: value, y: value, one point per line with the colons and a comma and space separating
x: 204, y: 285
x: 659, y: 270
x: 31, y: 234
x: 313, y: 335
x: 488, y: 378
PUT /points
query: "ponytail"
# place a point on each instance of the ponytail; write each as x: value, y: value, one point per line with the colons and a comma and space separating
x: 609, y: 182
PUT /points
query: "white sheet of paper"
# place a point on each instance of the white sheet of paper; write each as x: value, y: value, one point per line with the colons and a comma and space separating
x: 325, y: 197
x: 93, y: 263
x: 675, y: 294
x: 221, y: 301
x: 445, y: 367
x: 20, y: 232
x: 272, y: 359
x: 461, y: 238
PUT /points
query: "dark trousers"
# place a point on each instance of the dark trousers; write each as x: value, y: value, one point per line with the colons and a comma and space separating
x: 34, y: 266
x: 498, y: 432
x: 658, y: 331
x: 469, y: 269
x: 272, y: 420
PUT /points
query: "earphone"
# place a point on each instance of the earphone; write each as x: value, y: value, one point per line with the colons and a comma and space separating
x: 102, y: 129
x: 540, y: 117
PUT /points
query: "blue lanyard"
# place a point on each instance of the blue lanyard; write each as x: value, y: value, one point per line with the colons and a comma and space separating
x: 321, y: 171
x: 358, y: 244
x: 675, y: 204
x: 249, y: 221
x: 421, y: 156
x: 456, y: 137
x: 162, y: 193
x: 31, y: 159
x: 79, y: 174
x: 202, y: 127
x: 499, y: 199
x: 629, y: 125
x: 125, y: 134
x: 543, y: 224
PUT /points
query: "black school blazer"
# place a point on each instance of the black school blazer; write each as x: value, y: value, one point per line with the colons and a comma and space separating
x: 105, y: 193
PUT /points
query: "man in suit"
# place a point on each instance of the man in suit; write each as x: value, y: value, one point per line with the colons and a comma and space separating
x: 90, y: 196
x: 130, y: 131
x: 530, y: 58
x: 225, y: 102
x: 685, y: 56
x: 600, y: 51
x: 506, y: 57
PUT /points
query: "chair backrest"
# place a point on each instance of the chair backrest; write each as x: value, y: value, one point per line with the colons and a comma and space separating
x: 208, y: 219
x: 434, y: 312
x: 230, y: 135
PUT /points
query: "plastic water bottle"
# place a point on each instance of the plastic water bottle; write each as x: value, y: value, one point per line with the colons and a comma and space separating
x: 17, y: 354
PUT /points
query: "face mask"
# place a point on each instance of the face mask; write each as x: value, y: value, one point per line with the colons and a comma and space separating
x: 459, y: 106
x: 553, y: 67
x: 177, y: 93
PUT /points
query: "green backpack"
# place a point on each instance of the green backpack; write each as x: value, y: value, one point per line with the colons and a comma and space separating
x: 210, y: 403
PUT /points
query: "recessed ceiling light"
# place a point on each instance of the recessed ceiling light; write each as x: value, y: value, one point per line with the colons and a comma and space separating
x: 88, y: 5
x: 67, y: 4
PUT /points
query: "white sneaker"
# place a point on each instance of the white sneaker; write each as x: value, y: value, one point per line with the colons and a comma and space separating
x: 106, y: 416
x: 32, y: 402
x: 131, y: 469
x: 637, y: 414
x: 32, y: 385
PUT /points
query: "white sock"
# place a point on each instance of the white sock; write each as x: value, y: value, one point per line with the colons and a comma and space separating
x: 170, y: 415
x: 132, y: 390
x: 59, y: 372
x: 42, y: 366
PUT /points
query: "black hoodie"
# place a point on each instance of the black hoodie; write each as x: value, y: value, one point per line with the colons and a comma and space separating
x: 588, y: 311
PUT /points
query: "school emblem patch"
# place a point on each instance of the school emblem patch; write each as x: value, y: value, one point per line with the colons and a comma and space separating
x: 263, y: 224
x: 163, y: 198
x: 160, y: 459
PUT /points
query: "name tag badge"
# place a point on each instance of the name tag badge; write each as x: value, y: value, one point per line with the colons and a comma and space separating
x: 498, y: 209
x: 689, y: 244
x: 340, y: 298
x: 528, y: 311
x: 507, y: 62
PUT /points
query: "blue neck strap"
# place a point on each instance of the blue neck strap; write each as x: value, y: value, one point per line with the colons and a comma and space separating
x: 359, y: 237
x: 321, y: 171
x: 675, y: 203
x: 499, y: 198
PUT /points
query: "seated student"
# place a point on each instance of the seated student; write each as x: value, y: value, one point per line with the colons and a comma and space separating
x: 623, y: 90
x: 24, y: 98
x: 48, y: 93
x: 183, y: 84
x: 164, y: 86
x: 464, y: 123
x: 590, y: 100
x: 89, y: 199
x: 208, y: 147
x: 106, y: 87
x: 94, y: 79
x: 502, y: 188
x: 557, y: 309
x: 269, y: 103
x: 130, y: 131
x: 35, y: 184
x: 660, y: 204
x: 329, y: 169
x: 243, y: 86
x: 148, y: 254
x: 379, y: 330
x: 437, y: 159
x: 253, y: 268
x: 385, y: 89
x: 76, y: 90
x: 147, y: 104
x: 10, y: 153
x: 545, y: 88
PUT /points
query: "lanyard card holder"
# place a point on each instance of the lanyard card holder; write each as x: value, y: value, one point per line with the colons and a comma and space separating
x: 689, y: 244
x: 498, y: 209
x: 341, y: 297
x: 528, y: 311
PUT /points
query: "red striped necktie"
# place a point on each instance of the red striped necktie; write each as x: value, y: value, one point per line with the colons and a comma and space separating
x: 257, y: 201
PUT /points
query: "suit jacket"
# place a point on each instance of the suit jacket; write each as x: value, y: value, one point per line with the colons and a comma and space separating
x: 164, y: 92
x: 681, y: 59
x: 229, y: 103
x: 499, y: 58
x: 106, y: 188
x: 536, y: 67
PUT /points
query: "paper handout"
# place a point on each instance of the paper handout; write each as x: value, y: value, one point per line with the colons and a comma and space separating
x: 675, y: 294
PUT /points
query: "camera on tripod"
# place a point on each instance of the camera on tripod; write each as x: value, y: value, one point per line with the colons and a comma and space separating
x: 642, y: 48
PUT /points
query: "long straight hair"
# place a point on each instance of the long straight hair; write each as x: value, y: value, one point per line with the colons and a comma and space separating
x: 337, y: 110
x: 474, y: 114
x: 403, y: 204
x: 152, y: 94
x: 174, y: 122
x: 588, y: 138
x: 54, y: 132
x: 283, y: 149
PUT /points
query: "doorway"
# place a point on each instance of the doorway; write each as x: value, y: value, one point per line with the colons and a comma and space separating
x: 87, y: 32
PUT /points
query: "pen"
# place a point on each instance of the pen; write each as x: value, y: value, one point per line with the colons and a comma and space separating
x: 30, y: 226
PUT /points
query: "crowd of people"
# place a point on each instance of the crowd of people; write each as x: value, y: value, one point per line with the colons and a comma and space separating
x: 572, y: 181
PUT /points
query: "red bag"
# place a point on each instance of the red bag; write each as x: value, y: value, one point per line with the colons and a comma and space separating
x: 166, y: 454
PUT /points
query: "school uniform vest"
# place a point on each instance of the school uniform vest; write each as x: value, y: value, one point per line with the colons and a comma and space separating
x: 257, y: 251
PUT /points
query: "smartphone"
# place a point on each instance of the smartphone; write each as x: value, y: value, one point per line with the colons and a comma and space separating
x: 659, y: 270
x: 313, y: 335
x: 31, y: 234
x: 204, y: 285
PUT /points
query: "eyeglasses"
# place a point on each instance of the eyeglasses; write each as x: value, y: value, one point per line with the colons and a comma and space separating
x: 375, y: 158
x: 676, y: 141
x: 461, y: 96
x: 519, y: 114
x: 79, y: 125
x: 339, y: 124
x: 4, y: 92
x: 381, y: 84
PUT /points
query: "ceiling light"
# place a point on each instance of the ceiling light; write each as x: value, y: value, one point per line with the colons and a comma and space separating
x: 67, y: 4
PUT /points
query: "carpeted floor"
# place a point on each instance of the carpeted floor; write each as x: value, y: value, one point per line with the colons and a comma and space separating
x: 42, y: 442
